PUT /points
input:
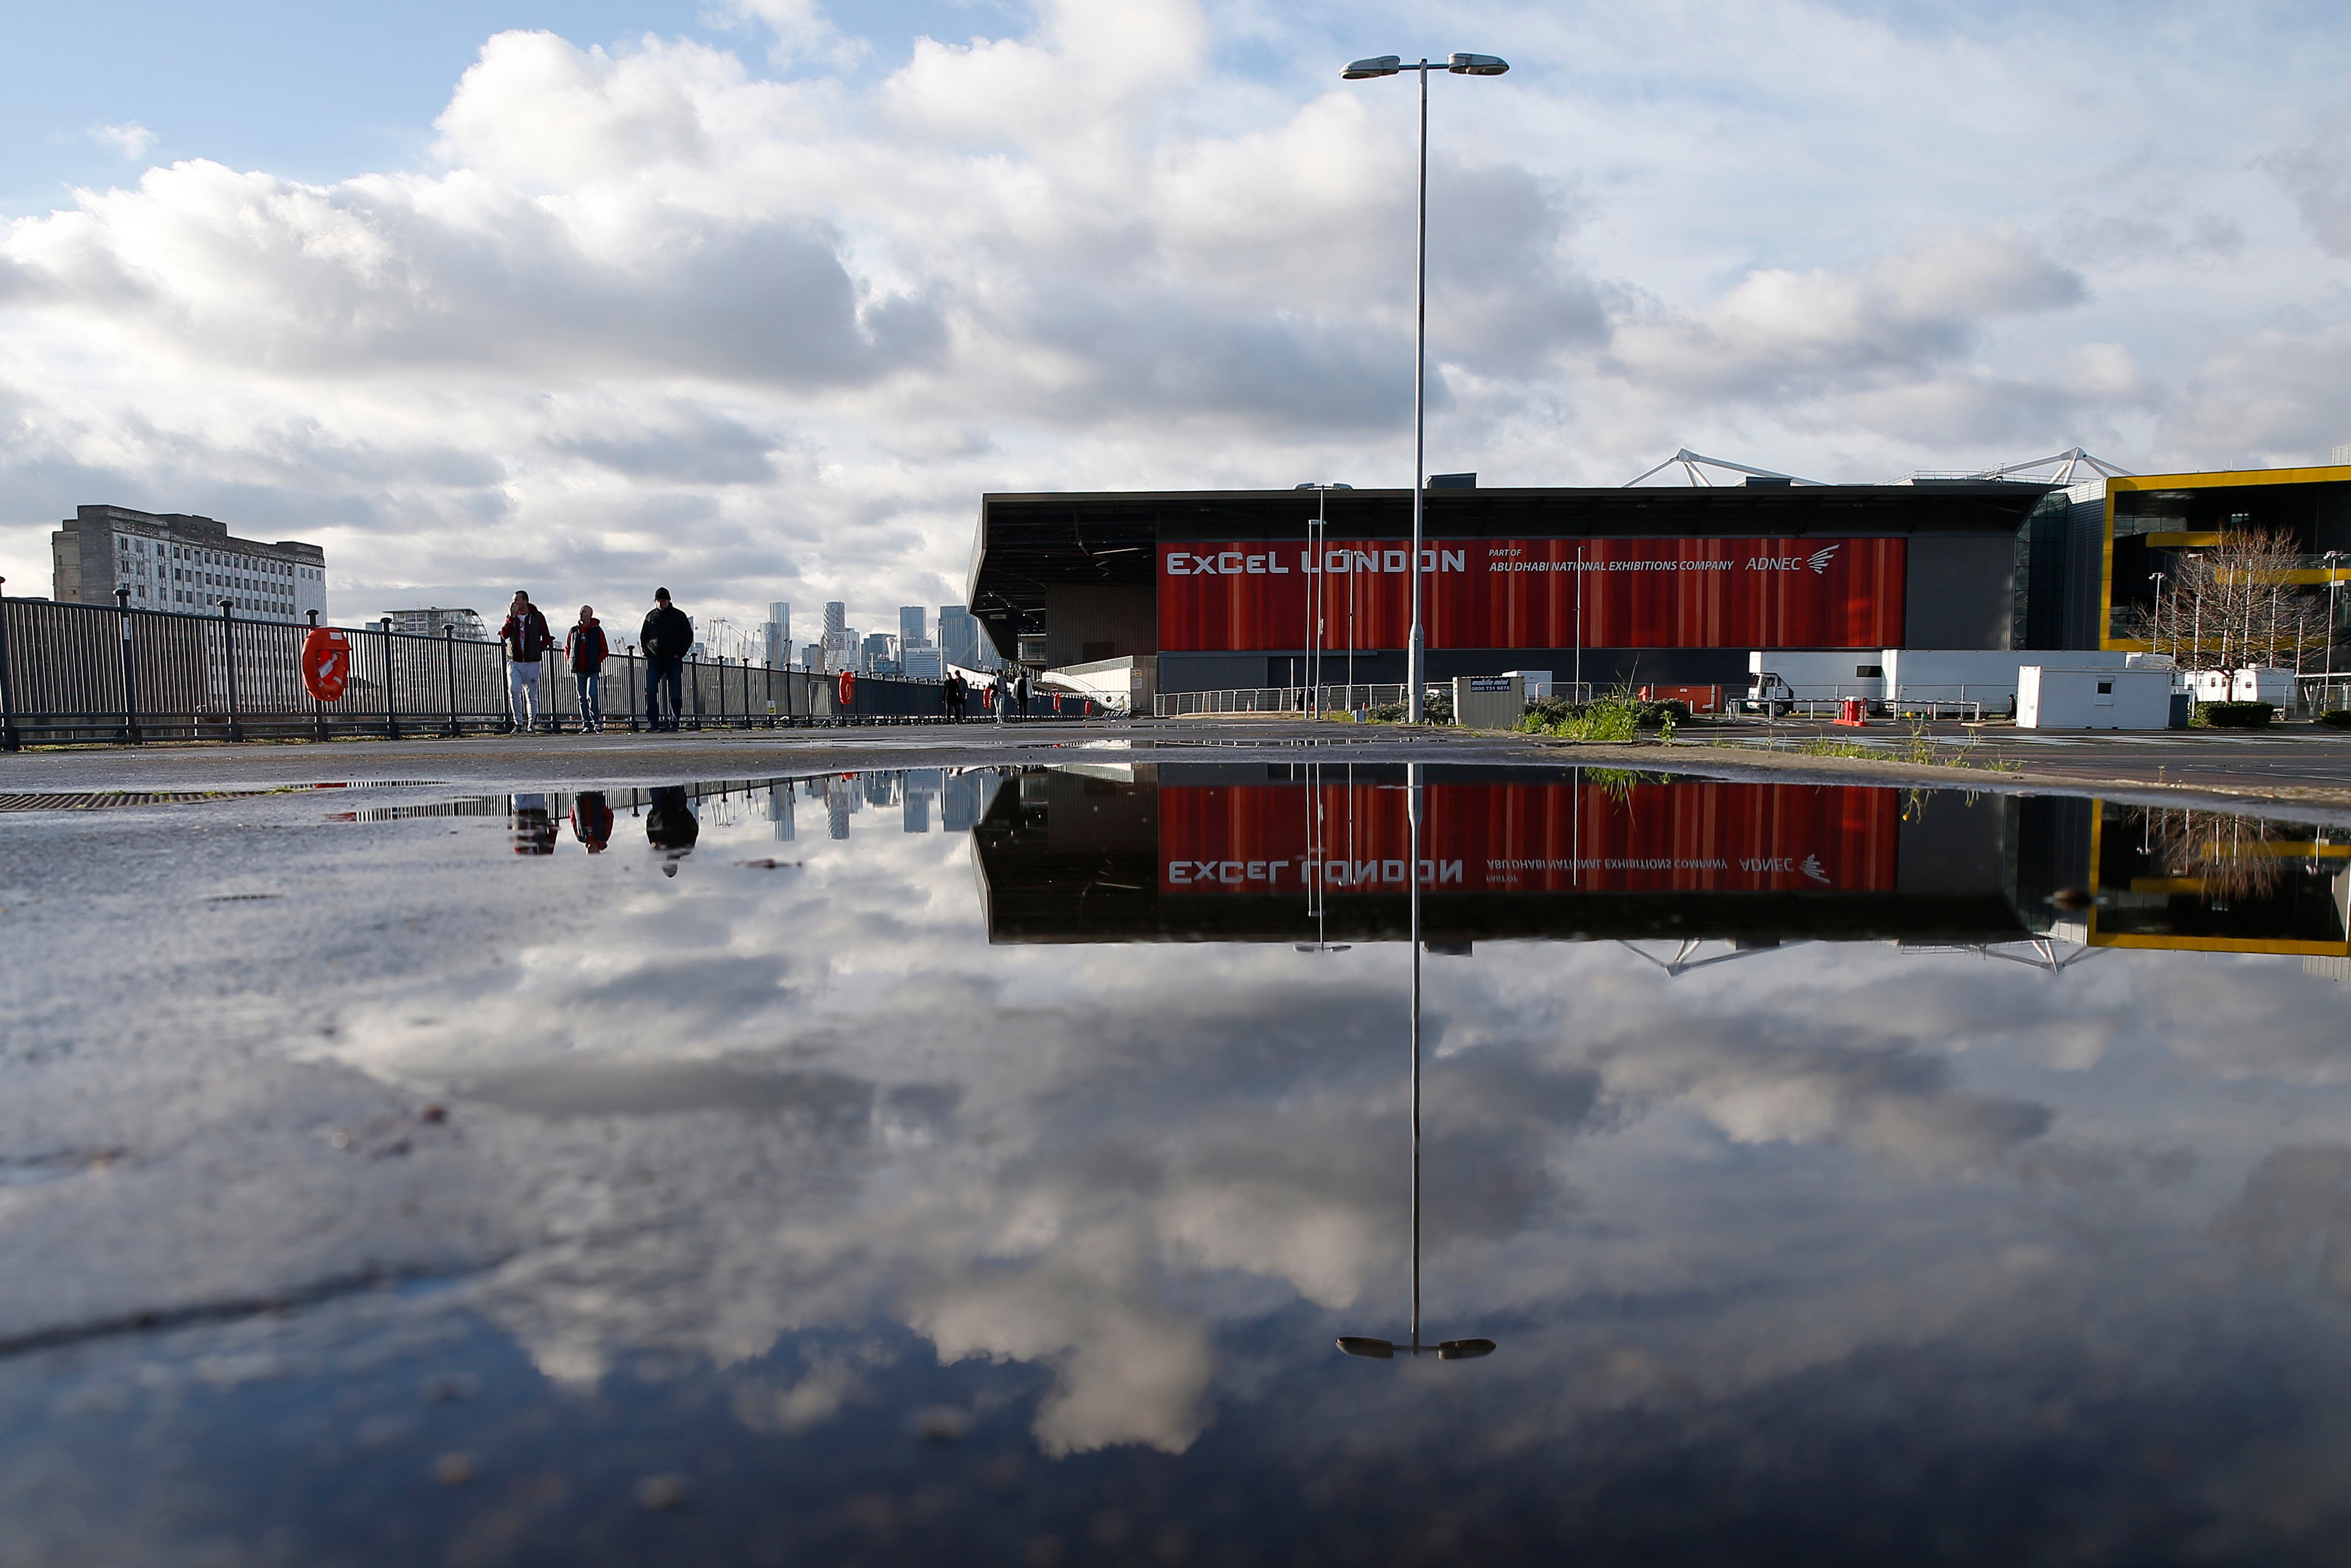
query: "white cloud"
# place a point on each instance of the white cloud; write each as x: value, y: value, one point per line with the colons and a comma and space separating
x: 772, y: 333
x: 131, y: 139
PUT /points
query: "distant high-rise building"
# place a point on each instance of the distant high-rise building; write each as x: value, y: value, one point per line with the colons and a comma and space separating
x: 922, y: 787
x: 779, y: 634
x: 920, y: 664
x: 812, y: 656
x: 836, y: 618
x: 911, y: 632
x: 959, y: 636
x: 780, y: 809
x: 963, y: 798
x: 880, y: 654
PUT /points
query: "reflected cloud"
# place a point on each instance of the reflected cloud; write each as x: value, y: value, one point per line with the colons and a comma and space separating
x: 745, y: 1110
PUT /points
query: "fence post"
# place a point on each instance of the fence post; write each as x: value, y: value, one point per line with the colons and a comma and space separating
x: 694, y: 680
x: 228, y: 649
x: 8, y: 741
x: 391, y: 713
x: 719, y: 680
x: 130, y: 698
x: 449, y: 655
x: 631, y: 657
x: 317, y: 707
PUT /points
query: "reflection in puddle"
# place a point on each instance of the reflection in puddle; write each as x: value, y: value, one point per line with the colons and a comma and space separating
x: 994, y: 1187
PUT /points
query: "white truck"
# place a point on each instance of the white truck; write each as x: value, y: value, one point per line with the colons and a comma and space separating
x: 1932, y: 682
x: 1780, y: 681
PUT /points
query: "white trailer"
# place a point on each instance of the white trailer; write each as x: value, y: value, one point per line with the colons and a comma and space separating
x: 2247, y: 686
x: 1786, y: 680
x: 2099, y: 698
x: 1932, y: 680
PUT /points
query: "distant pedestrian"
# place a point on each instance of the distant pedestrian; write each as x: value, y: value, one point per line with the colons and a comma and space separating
x: 961, y: 698
x: 993, y: 697
x: 666, y: 637
x: 525, y: 639
x: 1020, y: 693
x: 585, y: 648
x: 947, y: 696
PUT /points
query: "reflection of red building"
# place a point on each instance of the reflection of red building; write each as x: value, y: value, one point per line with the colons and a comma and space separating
x: 1694, y: 836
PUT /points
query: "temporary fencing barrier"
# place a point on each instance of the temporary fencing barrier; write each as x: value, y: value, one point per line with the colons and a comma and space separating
x: 1276, y: 699
x: 93, y: 673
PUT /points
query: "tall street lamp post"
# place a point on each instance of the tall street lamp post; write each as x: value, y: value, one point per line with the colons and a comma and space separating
x: 1459, y: 65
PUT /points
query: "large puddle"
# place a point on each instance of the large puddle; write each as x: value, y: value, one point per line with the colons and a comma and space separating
x: 983, y: 1165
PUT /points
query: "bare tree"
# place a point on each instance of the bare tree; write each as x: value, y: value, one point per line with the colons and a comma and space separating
x: 2235, y: 604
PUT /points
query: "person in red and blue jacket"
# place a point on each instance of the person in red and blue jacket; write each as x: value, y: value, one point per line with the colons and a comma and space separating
x: 585, y: 647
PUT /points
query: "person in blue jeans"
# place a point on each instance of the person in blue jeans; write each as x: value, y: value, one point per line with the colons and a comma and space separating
x: 585, y: 648
x: 666, y: 637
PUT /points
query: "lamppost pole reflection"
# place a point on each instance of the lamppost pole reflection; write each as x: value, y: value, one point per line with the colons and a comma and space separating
x: 1381, y: 1349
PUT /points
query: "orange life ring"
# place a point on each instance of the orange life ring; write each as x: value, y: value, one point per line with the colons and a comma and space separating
x: 848, y: 688
x: 326, y: 663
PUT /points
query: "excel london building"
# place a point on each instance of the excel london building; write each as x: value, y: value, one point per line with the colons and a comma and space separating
x: 1215, y: 590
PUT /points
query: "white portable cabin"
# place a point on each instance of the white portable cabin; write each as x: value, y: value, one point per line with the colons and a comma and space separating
x: 1536, y: 682
x: 2099, y: 698
x: 1985, y: 676
x: 2256, y: 685
x: 1816, y: 674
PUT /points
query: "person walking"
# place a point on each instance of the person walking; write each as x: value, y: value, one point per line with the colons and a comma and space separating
x: 947, y: 697
x: 585, y: 649
x: 993, y: 698
x: 525, y: 639
x: 961, y: 698
x: 1020, y: 693
x: 666, y: 637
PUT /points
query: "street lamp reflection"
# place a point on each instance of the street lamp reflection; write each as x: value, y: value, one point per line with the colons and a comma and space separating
x: 1360, y: 1344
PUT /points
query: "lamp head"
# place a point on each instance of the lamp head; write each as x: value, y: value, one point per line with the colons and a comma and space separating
x: 1476, y: 64
x: 1463, y: 1349
x: 1379, y: 66
x: 1376, y: 1349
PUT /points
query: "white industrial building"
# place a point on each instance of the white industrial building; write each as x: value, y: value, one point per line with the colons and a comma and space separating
x: 177, y: 561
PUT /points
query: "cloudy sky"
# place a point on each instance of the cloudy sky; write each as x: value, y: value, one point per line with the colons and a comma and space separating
x: 755, y: 298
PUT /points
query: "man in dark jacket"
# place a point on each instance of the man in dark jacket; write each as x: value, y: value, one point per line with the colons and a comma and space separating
x: 525, y: 639
x: 666, y: 637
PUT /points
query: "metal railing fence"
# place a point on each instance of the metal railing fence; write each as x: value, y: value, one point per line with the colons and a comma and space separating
x: 84, y: 673
x: 1276, y: 699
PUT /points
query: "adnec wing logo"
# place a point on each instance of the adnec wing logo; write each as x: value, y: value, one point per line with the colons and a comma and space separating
x: 1811, y: 867
x: 1819, y: 560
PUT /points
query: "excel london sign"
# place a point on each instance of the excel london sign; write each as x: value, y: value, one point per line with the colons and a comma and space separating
x: 1532, y: 593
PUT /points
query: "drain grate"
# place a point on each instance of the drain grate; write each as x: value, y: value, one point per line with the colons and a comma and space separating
x: 104, y: 800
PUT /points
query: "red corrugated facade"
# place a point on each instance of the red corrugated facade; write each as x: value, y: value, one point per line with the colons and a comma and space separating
x: 1688, y: 836
x: 1806, y: 592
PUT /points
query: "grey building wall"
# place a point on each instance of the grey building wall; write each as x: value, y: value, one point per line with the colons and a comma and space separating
x: 1960, y: 592
x: 1083, y: 623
